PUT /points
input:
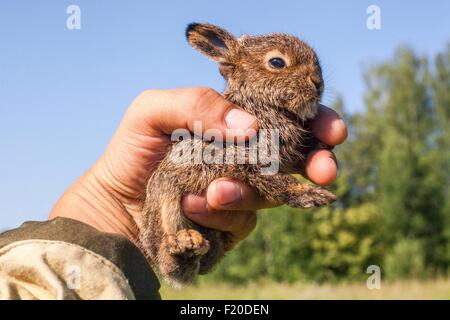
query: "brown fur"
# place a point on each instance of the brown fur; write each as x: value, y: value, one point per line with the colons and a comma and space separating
x: 280, y: 98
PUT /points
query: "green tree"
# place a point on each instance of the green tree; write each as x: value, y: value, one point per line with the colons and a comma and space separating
x: 441, y: 155
x: 408, y: 172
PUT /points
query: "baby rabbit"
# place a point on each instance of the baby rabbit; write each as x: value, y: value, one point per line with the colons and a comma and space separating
x: 278, y: 79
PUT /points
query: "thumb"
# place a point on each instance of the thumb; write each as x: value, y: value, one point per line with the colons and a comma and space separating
x: 160, y: 112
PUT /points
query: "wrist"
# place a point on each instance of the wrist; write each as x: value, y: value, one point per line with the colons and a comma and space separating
x: 91, y: 201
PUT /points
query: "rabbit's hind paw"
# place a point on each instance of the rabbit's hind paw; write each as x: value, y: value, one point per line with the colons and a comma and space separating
x: 187, y: 243
x: 308, y: 196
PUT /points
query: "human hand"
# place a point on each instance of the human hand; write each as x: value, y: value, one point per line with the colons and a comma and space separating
x: 111, y: 194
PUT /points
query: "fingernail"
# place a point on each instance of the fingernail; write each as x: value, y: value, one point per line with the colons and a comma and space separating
x: 237, y: 119
x: 228, y: 193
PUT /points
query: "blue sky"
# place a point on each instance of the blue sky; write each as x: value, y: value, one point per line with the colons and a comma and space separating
x: 63, y: 93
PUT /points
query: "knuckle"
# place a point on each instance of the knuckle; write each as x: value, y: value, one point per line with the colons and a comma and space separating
x: 137, y: 109
x: 199, y: 93
x: 147, y: 94
x: 205, y: 100
x: 143, y: 99
x: 203, y: 96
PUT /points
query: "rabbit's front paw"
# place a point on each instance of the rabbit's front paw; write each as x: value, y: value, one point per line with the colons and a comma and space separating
x: 308, y: 196
x: 187, y: 243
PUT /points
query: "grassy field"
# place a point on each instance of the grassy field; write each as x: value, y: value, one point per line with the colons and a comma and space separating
x: 413, y: 289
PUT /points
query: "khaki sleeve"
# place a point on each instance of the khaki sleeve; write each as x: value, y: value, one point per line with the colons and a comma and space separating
x: 67, y: 259
x: 40, y: 269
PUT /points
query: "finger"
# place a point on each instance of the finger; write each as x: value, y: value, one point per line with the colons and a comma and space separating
x: 321, y: 167
x: 239, y: 224
x: 194, y: 205
x: 228, y: 194
x: 329, y: 127
x: 194, y: 109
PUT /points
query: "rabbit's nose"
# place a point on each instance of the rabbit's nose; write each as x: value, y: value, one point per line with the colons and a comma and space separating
x: 318, y: 84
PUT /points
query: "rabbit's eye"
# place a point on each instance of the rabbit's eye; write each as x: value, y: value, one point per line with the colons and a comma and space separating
x: 277, y: 63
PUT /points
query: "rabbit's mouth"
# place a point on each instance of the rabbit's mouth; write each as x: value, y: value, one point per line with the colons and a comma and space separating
x: 309, y: 110
x: 304, y: 113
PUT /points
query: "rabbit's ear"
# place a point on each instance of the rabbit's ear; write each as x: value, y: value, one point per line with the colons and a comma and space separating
x: 212, y: 41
